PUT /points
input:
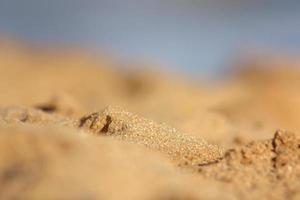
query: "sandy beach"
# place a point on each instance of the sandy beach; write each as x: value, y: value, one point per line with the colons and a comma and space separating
x: 76, y: 126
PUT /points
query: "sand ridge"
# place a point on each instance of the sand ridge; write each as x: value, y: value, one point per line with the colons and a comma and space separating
x: 59, y: 140
x: 184, y: 149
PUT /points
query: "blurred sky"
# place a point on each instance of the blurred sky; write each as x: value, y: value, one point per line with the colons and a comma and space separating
x: 196, y: 36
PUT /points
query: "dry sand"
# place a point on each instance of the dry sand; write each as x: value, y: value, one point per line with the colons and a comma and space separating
x: 63, y: 134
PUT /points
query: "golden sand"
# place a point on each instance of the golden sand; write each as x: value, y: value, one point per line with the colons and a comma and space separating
x: 63, y: 135
x: 185, y: 149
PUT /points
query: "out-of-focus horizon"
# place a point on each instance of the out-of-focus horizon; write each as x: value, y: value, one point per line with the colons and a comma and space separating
x: 190, y: 36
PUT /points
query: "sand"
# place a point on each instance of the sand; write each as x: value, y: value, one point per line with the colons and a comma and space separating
x: 75, y: 126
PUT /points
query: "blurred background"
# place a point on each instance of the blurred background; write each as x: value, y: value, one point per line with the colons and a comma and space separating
x: 199, y: 37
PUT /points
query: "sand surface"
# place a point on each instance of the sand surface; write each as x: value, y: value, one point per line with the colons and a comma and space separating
x: 75, y: 126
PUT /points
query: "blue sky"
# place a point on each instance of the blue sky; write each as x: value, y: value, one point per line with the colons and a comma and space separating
x: 196, y: 36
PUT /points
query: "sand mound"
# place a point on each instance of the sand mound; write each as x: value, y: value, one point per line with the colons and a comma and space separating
x: 113, y: 121
x: 53, y: 145
x: 54, y: 163
x: 184, y: 149
x: 259, y: 167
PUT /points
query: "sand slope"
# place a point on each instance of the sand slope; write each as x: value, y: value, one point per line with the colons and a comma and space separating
x: 63, y: 134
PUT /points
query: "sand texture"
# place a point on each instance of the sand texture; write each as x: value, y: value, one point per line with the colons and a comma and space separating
x: 181, y: 148
x: 77, y: 126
